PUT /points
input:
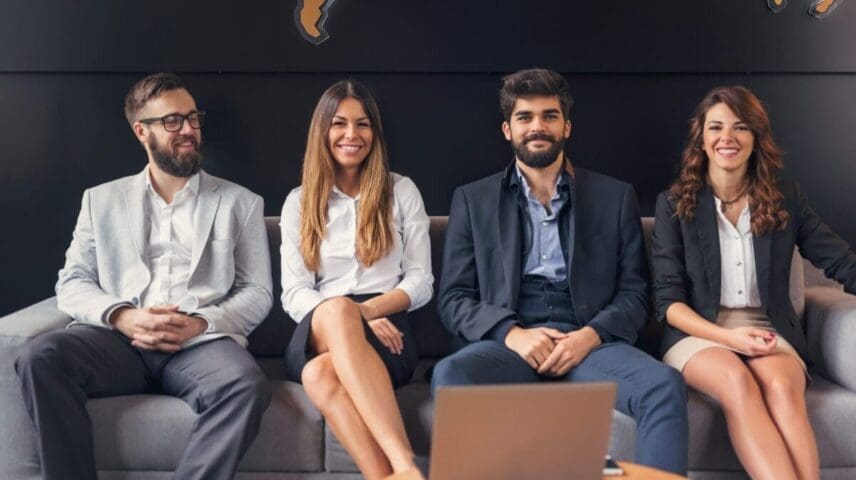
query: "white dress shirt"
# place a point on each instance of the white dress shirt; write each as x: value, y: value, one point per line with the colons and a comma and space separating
x: 739, y: 281
x: 407, y: 266
x: 170, y: 247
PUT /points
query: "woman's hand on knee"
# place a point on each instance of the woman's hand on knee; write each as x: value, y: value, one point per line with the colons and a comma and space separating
x: 388, y: 334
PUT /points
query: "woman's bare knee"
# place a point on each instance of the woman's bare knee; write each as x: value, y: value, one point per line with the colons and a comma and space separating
x: 320, y: 380
x: 784, y: 400
x: 722, y: 374
x: 335, y: 319
x: 783, y: 387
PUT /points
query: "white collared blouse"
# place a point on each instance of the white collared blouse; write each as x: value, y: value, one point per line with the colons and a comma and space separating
x: 739, y: 281
x: 406, y: 267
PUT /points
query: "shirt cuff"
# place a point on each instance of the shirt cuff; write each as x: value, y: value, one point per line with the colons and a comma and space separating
x: 499, y: 331
x: 416, y: 291
x: 105, y: 317
x: 211, y: 327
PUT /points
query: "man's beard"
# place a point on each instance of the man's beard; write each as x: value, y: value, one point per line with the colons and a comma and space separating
x: 538, y: 159
x: 173, y: 163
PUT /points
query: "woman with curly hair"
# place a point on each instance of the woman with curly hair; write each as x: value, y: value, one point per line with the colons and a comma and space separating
x: 355, y: 259
x: 723, y: 243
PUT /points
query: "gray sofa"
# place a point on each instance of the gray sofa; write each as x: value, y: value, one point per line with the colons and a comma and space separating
x: 141, y: 436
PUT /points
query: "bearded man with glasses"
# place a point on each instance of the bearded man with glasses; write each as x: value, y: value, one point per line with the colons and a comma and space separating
x: 167, y: 273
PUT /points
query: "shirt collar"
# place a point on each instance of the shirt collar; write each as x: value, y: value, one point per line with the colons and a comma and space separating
x: 744, y: 221
x: 516, y: 180
x: 335, y: 191
x: 192, y: 183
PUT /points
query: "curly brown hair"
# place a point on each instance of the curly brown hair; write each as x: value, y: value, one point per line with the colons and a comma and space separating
x: 765, y: 198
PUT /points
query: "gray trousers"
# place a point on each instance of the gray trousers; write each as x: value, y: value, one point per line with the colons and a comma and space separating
x: 219, y: 379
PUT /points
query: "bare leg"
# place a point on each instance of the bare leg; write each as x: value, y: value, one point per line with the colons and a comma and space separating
x: 326, y: 392
x: 782, y: 382
x: 337, y: 328
x: 721, y: 374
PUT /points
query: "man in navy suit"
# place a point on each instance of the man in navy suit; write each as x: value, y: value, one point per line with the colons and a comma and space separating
x: 545, y: 275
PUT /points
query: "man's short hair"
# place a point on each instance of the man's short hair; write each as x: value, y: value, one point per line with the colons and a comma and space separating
x: 148, y: 88
x: 534, y: 82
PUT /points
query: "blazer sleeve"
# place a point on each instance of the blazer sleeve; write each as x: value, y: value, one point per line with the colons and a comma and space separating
x: 627, y: 312
x: 821, y: 246
x: 459, y: 302
x: 78, y: 289
x: 667, y: 258
x: 251, y: 298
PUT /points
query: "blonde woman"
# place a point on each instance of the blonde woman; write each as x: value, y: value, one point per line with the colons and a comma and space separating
x: 355, y: 259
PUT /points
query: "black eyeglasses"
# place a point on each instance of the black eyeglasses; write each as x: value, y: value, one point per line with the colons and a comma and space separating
x: 174, y: 121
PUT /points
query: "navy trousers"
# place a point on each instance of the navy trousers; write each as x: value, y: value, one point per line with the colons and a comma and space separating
x: 219, y: 379
x: 649, y: 391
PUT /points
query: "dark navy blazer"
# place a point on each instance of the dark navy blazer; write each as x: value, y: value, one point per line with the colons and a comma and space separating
x: 688, y: 269
x: 482, y: 258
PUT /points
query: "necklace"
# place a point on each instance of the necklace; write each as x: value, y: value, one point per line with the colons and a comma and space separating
x: 726, y: 204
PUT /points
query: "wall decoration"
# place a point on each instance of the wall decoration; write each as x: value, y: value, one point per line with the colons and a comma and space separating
x: 818, y: 8
x: 310, y: 16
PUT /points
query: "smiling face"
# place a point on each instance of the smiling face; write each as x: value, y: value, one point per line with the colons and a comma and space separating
x: 537, y: 130
x: 727, y: 141
x: 175, y: 153
x: 350, y: 135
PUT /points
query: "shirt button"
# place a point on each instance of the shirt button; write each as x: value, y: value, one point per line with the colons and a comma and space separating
x: 739, y: 292
x: 544, y: 223
x: 737, y: 237
x: 543, y: 257
x: 739, y: 264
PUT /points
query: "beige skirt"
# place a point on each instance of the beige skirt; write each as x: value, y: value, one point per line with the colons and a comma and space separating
x: 681, y: 352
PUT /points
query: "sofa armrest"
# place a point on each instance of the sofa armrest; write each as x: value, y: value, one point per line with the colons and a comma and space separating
x: 34, y: 320
x: 830, y: 316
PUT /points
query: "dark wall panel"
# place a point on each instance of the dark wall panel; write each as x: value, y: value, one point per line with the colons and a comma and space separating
x: 426, y: 35
x: 636, y: 69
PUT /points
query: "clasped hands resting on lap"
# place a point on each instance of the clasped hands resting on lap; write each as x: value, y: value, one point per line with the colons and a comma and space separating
x: 751, y: 341
x: 549, y: 351
x: 162, y: 328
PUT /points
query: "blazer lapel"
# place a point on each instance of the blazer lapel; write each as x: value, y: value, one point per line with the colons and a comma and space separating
x: 508, y: 230
x: 206, y: 209
x: 576, y: 248
x: 135, y: 208
x: 708, y: 234
x: 763, y: 246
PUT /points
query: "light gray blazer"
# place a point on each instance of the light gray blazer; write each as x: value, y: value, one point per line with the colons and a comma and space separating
x: 230, y: 276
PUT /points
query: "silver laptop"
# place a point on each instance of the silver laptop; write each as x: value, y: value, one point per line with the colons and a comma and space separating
x: 521, y: 431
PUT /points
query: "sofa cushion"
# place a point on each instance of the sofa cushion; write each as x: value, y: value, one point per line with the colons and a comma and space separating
x: 149, y: 432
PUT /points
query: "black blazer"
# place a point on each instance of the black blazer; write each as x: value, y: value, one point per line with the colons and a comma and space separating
x: 687, y: 265
x: 482, y: 258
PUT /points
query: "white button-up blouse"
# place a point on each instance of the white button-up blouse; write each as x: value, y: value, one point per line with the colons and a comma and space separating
x: 407, y: 266
x: 739, y: 281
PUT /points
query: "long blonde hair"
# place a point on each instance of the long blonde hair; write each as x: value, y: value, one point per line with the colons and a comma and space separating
x: 374, y: 214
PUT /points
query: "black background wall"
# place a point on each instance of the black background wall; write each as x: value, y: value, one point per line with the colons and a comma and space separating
x: 636, y: 69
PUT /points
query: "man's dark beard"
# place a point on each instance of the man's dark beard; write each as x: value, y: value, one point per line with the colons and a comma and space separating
x: 176, y: 164
x: 539, y: 159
